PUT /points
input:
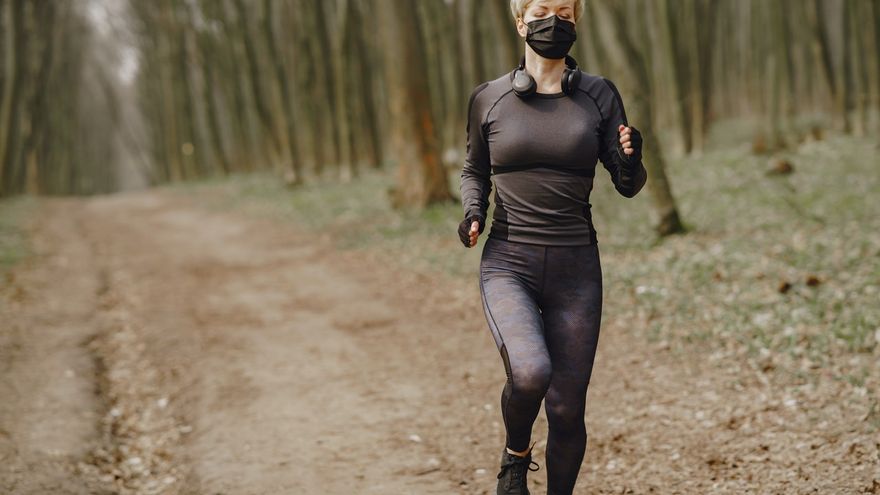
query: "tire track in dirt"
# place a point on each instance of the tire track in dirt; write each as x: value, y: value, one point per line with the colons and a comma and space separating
x: 138, y: 449
x: 48, y: 403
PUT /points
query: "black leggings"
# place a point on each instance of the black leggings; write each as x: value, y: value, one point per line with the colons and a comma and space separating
x: 544, y: 307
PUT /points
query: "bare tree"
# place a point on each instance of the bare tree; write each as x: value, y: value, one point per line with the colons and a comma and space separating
x: 421, y: 178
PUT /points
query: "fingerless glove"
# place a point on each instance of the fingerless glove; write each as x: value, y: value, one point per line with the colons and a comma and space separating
x: 630, y: 174
x: 636, y: 142
x: 464, y: 228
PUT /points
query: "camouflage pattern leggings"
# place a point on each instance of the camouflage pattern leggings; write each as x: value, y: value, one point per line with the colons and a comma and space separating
x: 544, y: 306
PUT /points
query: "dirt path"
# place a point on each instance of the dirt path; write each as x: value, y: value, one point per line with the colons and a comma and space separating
x: 48, y: 406
x: 155, y: 346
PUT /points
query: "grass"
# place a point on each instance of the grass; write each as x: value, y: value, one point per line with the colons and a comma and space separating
x: 780, y: 270
x: 13, y: 239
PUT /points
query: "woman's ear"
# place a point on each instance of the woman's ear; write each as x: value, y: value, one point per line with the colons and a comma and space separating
x: 521, y: 27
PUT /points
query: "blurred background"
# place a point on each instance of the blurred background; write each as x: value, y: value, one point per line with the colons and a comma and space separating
x: 209, y: 206
x: 105, y: 95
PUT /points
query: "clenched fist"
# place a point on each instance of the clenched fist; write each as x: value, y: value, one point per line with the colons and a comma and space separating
x: 630, y: 143
x: 469, y: 230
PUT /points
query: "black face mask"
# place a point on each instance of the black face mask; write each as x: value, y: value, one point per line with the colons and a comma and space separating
x: 551, y: 37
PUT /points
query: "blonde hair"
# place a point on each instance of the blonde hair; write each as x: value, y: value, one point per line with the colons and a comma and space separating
x: 518, y: 8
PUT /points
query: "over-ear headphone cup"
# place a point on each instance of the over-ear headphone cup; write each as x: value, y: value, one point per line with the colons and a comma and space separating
x: 524, y: 84
x: 570, y: 80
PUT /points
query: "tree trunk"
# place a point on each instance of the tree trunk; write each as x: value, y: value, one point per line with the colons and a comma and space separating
x: 292, y: 173
x: 666, y: 218
x: 363, y: 58
x: 38, y: 109
x: 508, y: 43
x: 170, y: 125
x: 321, y: 40
x: 16, y: 55
x: 278, y: 152
x: 677, y: 70
x: 421, y: 179
x: 340, y: 66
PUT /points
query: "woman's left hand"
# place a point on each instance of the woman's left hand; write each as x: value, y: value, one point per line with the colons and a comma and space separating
x: 626, y: 139
x: 630, y: 144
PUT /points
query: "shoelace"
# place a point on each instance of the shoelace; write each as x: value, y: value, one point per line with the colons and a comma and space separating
x: 517, y: 466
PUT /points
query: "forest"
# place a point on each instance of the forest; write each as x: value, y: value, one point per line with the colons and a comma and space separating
x: 229, y: 261
x: 95, y: 93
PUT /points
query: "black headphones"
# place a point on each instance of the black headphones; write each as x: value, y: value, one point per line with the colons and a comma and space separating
x: 524, y: 84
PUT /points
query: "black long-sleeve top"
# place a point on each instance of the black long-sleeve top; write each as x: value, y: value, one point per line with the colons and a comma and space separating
x: 542, y: 152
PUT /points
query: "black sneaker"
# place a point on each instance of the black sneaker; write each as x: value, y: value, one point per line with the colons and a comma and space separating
x: 512, y: 478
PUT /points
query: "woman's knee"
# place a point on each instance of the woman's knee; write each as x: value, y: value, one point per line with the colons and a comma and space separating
x: 531, y: 379
x: 565, y: 414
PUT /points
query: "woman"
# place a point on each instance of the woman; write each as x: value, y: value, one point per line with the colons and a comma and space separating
x: 539, y: 131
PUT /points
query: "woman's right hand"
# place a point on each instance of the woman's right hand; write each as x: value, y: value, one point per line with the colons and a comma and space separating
x: 469, y: 230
